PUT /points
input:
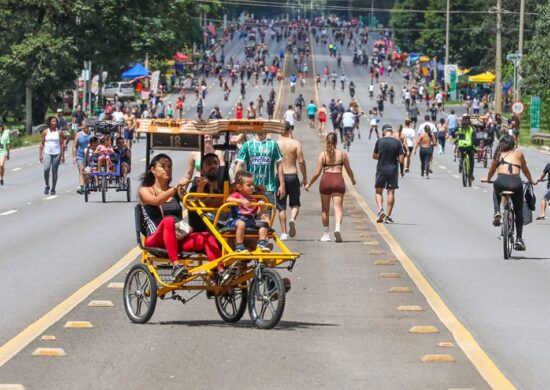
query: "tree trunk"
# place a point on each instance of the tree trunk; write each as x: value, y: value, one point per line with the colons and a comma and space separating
x: 28, y: 108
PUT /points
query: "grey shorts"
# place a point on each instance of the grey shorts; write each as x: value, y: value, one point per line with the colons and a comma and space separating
x: 546, y: 195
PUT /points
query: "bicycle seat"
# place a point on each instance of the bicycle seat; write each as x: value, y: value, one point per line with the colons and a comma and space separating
x: 507, y: 193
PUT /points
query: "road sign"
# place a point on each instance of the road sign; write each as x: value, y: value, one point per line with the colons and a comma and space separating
x: 518, y: 107
x: 535, y: 114
x: 514, y: 56
x: 449, y: 69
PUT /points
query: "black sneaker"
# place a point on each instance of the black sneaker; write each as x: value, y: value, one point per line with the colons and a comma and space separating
x: 388, y: 219
x: 47, y: 190
x: 1, y: 182
x: 519, y: 245
x: 381, y: 216
x: 496, y: 219
x: 52, y: 192
x: 179, y: 273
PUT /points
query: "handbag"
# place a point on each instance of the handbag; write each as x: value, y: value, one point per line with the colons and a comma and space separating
x: 182, y: 229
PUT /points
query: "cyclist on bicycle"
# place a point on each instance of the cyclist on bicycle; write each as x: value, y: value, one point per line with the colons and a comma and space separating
x: 508, y: 162
x: 348, y: 122
x: 299, y: 103
x: 466, y: 144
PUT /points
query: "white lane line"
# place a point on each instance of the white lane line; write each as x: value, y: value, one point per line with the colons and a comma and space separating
x: 8, y: 212
x: 442, y: 167
x: 50, y: 197
x: 142, y: 160
x: 29, y: 203
x: 456, y: 176
x: 476, y: 188
x: 16, y: 169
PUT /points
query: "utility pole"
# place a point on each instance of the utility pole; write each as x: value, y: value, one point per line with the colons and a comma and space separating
x: 447, y: 24
x: 520, y: 47
x: 372, y: 15
x: 498, y: 63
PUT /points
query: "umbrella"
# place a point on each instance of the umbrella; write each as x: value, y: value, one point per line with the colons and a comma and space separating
x: 179, y: 56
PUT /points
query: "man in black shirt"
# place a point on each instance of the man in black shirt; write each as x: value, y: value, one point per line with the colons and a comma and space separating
x: 206, y: 184
x: 389, y: 153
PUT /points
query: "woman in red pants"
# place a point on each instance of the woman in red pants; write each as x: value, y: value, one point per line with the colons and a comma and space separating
x: 162, y: 210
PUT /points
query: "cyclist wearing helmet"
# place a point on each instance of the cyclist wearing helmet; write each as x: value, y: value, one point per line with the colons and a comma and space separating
x: 466, y: 143
x: 508, y: 162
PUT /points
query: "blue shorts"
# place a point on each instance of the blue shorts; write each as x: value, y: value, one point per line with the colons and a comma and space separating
x: 250, y: 222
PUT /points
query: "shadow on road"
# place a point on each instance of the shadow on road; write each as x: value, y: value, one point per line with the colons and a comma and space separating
x: 529, y: 258
x: 283, y: 325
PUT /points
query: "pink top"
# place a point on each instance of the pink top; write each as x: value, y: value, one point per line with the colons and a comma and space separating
x: 104, y: 150
x: 245, y: 211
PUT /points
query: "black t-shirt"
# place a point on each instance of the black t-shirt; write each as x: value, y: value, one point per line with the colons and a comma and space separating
x: 194, y: 220
x: 79, y: 115
x: 388, y: 149
x: 547, y: 171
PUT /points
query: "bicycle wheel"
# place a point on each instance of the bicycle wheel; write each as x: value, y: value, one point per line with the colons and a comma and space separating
x: 266, y: 298
x: 231, y: 305
x: 464, y: 171
x: 507, y: 232
x: 140, y: 294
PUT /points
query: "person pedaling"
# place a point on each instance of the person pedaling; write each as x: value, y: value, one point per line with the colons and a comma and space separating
x: 465, y: 142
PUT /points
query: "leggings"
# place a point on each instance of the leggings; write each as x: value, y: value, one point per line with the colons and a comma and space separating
x: 510, y: 183
x: 441, y: 141
x: 51, y: 161
x: 426, y: 153
x: 165, y: 237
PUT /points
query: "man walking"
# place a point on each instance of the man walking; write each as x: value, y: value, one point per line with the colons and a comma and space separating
x: 290, y: 117
x: 292, y: 154
x: 389, y: 153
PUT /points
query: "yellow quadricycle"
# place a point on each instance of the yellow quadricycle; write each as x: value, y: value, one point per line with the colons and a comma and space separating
x: 249, y: 279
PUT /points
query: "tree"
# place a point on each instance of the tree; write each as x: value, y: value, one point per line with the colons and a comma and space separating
x: 406, y: 26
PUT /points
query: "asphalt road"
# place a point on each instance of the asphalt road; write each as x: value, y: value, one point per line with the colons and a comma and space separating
x: 447, y: 231
x: 52, y: 245
x: 341, y: 327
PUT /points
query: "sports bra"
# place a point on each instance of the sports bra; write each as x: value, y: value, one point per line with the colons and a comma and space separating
x: 325, y: 165
x: 510, y: 165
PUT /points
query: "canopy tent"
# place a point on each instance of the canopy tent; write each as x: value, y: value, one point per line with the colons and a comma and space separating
x: 486, y: 77
x: 137, y: 70
x: 179, y: 56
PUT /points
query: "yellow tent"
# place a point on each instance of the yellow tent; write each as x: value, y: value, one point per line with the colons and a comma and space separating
x: 487, y: 77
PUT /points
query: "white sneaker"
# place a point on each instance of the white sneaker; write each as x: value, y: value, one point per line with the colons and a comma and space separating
x: 338, y: 236
x: 283, y: 237
x: 325, y: 238
x: 292, y: 228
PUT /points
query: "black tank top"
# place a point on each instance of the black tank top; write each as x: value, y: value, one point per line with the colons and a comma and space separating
x: 153, y: 214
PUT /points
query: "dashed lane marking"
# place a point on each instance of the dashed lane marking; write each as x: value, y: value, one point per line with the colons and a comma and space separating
x: 389, y: 275
x: 11, y: 386
x: 16, y: 344
x: 50, y: 197
x: 142, y: 160
x: 48, y: 337
x: 400, y: 290
x: 424, y: 329
x: 55, y: 352
x: 445, y: 344
x: 8, y: 212
x: 16, y: 169
x: 115, y: 285
x: 101, y: 304
x: 78, y: 325
x: 385, y: 262
x: 438, y: 358
x: 409, y: 308
x: 371, y: 243
x: 442, y: 167
x: 456, y: 176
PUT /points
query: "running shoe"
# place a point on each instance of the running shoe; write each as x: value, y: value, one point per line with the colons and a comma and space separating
x: 325, y: 238
x: 262, y: 245
x: 388, y: 219
x: 1, y: 182
x: 240, y: 248
x: 381, y: 216
x: 519, y: 245
x: 283, y: 237
x: 52, y: 192
x: 541, y: 218
x: 337, y: 236
x: 47, y: 190
x: 496, y: 219
x: 292, y: 228
x: 179, y: 273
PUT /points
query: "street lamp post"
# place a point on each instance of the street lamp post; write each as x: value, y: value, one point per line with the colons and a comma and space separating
x: 447, y: 26
x: 498, y: 62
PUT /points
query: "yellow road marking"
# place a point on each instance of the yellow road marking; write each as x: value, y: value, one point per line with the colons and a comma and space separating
x: 438, y: 358
x: 49, y: 352
x: 384, y: 262
x: 371, y: 243
x: 11, y: 386
x: 424, y: 329
x: 479, y: 358
x: 16, y: 344
x: 78, y: 324
x: 377, y: 253
x: 390, y: 275
x: 48, y: 338
x: 400, y: 290
x: 445, y: 344
x: 409, y: 308
x: 115, y: 285
x: 101, y: 304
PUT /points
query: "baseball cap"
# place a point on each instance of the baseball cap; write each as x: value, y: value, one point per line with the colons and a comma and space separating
x: 59, y: 110
x: 387, y: 127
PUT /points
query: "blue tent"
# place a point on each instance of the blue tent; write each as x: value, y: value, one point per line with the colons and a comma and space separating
x: 137, y: 70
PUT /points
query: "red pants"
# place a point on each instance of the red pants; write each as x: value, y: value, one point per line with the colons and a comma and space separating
x: 165, y: 237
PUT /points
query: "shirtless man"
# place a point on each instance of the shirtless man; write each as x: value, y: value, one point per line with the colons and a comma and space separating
x: 129, y: 127
x: 291, y: 149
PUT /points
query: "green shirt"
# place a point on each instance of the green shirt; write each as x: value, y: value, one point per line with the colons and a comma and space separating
x: 4, y: 142
x: 311, y: 109
x: 261, y: 158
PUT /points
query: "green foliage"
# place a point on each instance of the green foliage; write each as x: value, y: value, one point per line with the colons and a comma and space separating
x: 406, y: 25
x: 43, y: 43
x: 536, y: 62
